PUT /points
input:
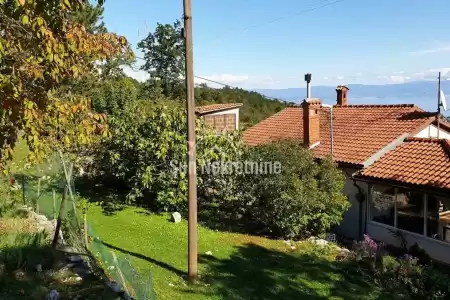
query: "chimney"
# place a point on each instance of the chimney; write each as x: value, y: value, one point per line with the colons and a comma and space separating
x: 311, y: 121
x: 341, y: 92
x: 308, y: 86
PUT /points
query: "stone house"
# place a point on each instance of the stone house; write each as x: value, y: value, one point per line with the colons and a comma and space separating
x: 361, y: 137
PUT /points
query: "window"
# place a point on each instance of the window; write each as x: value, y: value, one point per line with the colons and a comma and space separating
x: 382, y: 206
x: 438, y: 224
x: 410, y: 210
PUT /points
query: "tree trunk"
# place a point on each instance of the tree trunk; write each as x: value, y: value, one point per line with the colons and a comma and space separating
x: 60, y: 216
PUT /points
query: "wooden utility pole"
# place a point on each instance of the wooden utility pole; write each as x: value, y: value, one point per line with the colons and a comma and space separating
x: 192, y: 168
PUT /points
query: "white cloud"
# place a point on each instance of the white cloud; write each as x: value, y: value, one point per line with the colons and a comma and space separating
x: 232, y: 80
x: 439, y: 49
x: 444, y: 71
x: 139, y: 75
x: 340, y: 77
x: 398, y: 78
x: 325, y: 78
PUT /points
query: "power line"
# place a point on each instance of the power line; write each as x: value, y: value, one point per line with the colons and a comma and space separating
x: 222, y: 84
x: 297, y: 13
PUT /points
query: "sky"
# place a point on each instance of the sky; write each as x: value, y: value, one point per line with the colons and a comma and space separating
x: 273, y: 43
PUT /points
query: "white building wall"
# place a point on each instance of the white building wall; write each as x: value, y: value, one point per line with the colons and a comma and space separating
x: 431, y: 132
x: 227, y: 112
x: 349, y: 227
x: 438, y: 250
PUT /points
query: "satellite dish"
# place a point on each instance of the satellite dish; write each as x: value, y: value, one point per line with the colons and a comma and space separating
x: 443, y: 101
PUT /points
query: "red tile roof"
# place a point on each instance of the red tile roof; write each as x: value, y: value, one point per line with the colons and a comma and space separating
x: 418, y: 161
x: 359, y: 130
x: 216, y: 107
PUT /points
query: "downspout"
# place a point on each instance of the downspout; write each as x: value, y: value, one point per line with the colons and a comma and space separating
x: 360, y: 197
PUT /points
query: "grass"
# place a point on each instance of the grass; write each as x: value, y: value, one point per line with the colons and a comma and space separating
x: 240, y: 267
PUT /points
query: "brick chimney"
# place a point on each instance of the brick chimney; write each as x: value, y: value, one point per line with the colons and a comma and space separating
x: 311, y: 121
x: 341, y: 92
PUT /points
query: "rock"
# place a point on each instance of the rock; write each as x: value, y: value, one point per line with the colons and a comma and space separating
x: 70, y: 265
x: 53, y: 295
x: 75, y: 259
x: 319, y: 242
x: 39, y: 268
x: 81, y: 271
x: 114, y: 286
x: 176, y: 217
x: 209, y: 253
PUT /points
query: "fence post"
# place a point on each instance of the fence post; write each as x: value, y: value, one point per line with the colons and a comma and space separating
x: 60, y: 216
x: 38, y: 194
x: 86, y: 243
x: 124, y: 283
x: 23, y: 190
x: 54, y: 205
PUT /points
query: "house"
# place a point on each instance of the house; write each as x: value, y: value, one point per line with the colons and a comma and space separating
x: 222, y: 117
x: 408, y: 189
x: 362, y: 135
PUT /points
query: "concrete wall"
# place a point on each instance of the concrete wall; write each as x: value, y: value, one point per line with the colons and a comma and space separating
x: 349, y: 226
x: 438, y: 250
x: 431, y: 131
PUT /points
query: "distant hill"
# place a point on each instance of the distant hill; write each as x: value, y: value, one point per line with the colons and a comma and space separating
x: 255, y: 107
x: 421, y: 93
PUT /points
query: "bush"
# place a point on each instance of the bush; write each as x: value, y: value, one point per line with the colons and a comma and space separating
x: 148, y: 152
x: 405, y: 277
x: 305, y: 197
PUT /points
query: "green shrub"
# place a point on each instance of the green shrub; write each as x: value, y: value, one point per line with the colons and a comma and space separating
x: 148, y: 152
x: 24, y: 251
x: 304, y: 198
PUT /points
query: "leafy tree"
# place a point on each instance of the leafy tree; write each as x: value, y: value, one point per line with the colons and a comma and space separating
x: 40, y: 48
x: 164, y: 57
x: 91, y: 17
x: 112, y: 96
x: 255, y: 107
x: 148, y: 152
x: 305, y: 197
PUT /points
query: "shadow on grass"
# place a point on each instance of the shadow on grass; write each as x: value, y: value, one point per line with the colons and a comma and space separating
x: 149, y: 259
x: 20, y: 279
x: 111, y: 199
x: 254, y: 272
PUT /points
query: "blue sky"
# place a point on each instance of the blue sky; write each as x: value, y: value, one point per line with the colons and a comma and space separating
x: 351, y: 41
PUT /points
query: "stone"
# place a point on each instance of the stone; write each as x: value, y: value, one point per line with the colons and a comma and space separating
x: 176, y: 217
x: 53, y: 295
x: 114, y: 286
x: 75, y: 259
x: 81, y: 271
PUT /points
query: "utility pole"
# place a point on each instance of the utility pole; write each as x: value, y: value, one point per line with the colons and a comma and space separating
x: 439, y: 104
x: 192, y: 169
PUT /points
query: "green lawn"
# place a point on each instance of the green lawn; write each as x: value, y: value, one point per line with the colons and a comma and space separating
x: 240, y: 267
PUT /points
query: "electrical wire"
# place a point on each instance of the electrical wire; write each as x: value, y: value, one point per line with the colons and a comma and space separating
x: 297, y: 13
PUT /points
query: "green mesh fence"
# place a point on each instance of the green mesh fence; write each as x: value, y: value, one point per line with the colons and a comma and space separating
x: 42, y: 190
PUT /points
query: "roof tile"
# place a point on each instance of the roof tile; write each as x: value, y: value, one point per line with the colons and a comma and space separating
x: 430, y: 166
x: 216, y: 107
x: 359, y: 130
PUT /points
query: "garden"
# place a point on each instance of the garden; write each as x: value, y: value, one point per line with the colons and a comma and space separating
x: 92, y: 174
